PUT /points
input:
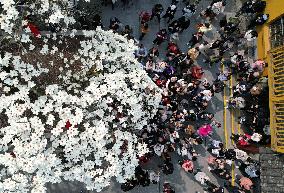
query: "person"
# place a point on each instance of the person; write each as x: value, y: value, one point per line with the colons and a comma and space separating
x: 218, y: 7
x: 170, y: 12
x: 193, y: 53
x: 168, y: 167
x: 204, y: 28
x: 223, y: 22
x: 237, y: 102
x: 84, y: 22
x: 142, y: 176
x: 141, y: 53
x: 174, y: 2
x: 184, y: 23
x: 154, y: 177
x: 213, y: 59
x: 174, y: 27
x: 158, y: 149
x: 144, y: 30
x: 244, y: 183
x: 173, y: 50
x: 241, y: 155
x: 250, y: 35
x: 196, y: 38
x: 144, y: 17
x: 247, y: 7
x: 221, y: 173
x: 174, y: 38
x: 161, y: 37
x: 114, y: 24
x: 153, y: 52
x: 113, y: 3
x: 150, y: 66
x: 127, y: 32
x: 250, y: 168
x: 201, y: 177
x: 203, y: 47
x: 128, y: 185
x: 188, y: 11
x: 212, y: 188
x: 258, y: 20
x: 157, y: 11
x: 97, y: 21
x: 167, y: 188
x: 259, y: 6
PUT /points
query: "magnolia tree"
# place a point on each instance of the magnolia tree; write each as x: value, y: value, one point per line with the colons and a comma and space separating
x: 15, y: 16
x: 79, y: 125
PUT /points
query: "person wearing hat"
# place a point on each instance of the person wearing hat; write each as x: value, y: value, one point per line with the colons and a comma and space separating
x: 170, y: 13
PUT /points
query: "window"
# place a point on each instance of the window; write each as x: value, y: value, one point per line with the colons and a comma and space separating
x: 277, y: 33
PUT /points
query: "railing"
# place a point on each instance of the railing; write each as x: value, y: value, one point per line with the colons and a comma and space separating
x: 276, y: 98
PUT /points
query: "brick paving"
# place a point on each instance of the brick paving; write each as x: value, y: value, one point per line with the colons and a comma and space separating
x: 272, y: 171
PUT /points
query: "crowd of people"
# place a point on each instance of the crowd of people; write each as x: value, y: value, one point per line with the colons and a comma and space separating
x: 183, y: 121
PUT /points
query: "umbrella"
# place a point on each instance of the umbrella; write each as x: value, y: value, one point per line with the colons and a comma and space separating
x: 246, y: 183
x: 259, y: 64
x: 187, y: 165
x: 205, y: 130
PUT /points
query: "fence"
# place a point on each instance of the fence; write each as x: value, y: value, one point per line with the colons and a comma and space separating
x: 276, y: 98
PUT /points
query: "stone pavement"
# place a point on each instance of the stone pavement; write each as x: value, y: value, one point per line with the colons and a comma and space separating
x: 183, y: 182
x: 272, y: 171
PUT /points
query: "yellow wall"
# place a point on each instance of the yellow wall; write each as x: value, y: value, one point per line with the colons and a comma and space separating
x: 274, y: 8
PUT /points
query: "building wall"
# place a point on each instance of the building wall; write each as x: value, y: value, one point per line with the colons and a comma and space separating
x: 275, y: 8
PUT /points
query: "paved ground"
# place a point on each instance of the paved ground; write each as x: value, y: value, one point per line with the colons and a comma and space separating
x: 183, y: 182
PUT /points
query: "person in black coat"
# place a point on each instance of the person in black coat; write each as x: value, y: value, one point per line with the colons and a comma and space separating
x: 168, y: 167
x: 196, y: 38
x: 157, y: 11
x: 97, y: 21
x: 212, y: 188
x: 170, y: 13
x: 258, y: 6
x: 114, y: 24
x: 258, y: 20
x: 184, y: 23
x: 161, y: 37
x: 128, y: 185
x: 174, y: 27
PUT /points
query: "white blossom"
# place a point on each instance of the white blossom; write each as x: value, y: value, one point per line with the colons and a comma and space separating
x: 65, y: 131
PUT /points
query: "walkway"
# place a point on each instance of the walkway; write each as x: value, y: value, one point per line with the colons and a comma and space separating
x: 183, y: 182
